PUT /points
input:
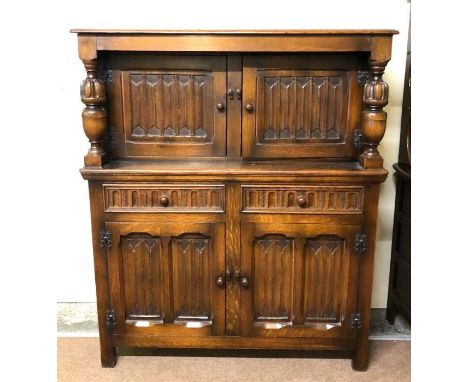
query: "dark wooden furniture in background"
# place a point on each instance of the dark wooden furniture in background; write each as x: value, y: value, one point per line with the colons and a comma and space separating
x: 399, y: 289
x: 234, y: 181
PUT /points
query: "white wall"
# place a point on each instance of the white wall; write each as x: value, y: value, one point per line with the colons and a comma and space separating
x: 52, y: 73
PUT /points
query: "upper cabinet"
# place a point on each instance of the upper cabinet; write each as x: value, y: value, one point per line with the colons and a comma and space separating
x: 292, y: 105
x: 236, y: 94
x: 299, y: 106
x: 169, y: 106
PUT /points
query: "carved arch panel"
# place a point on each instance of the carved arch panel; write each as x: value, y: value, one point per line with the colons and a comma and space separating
x: 170, y: 105
x: 165, y: 275
x: 303, y: 279
x: 142, y: 265
x: 299, y: 107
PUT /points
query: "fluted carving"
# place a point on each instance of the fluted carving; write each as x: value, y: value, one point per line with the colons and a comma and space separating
x: 273, y: 262
x: 93, y: 95
x: 373, y: 118
x: 324, y: 268
x: 142, y: 264
x: 303, y: 108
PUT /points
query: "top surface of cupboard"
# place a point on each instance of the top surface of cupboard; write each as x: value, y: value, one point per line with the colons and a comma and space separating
x: 241, y: 31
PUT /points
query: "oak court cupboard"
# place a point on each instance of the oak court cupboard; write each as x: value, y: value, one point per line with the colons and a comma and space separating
x: 234, y: 183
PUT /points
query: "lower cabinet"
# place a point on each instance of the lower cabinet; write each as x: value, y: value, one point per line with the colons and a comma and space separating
x: 295, y: 280
x: 162, y: 278
x: 300, y: 280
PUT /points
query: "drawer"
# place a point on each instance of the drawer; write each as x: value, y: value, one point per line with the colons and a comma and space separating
x: 151, y: 197
x: 302, y: 199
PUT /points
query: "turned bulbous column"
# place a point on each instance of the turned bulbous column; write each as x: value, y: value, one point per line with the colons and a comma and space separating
x: 93, y: 95
x: 373, y: 117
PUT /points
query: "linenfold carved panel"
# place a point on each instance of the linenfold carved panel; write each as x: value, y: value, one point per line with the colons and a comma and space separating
x: 323, y: 279
x: 147, y: 198
x: 170, y: 107
x: 287, y: 199
x: 191, y: 278
x: 301, y: 108
x: 273, y: 270
x: 142, y: 259
x: 299, y: 280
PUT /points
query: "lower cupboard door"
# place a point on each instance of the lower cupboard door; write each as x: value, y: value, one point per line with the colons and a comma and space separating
x: 298, y: 280
x: 163, y: 277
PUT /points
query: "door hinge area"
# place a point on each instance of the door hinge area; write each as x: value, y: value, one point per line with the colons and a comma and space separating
x: 362, y: 77
x: 356, y: 320
x: 105, y: 239
x: 111, y: 319
x: 107, y: 77
x: 358, y: 139
x: 360, y: 243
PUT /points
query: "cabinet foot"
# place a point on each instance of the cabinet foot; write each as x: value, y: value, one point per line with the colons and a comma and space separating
x: 360, y: 360
x: 108, y: 357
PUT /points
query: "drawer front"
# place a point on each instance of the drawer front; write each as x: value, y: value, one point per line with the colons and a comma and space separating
x: 302, y: 199
x: 164, y: 198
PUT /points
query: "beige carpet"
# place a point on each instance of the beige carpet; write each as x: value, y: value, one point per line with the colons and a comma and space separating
x: 78, y: 360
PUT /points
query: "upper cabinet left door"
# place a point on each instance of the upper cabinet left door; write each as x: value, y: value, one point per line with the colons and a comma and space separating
x: 164, y: 105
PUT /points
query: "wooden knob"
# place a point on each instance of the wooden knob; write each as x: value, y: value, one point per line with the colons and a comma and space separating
x: 220, y: 281
x: 244, y: 281
x: 220, y: 106
x: 164, y: 200
x: 301, y: 200
x: 249, y: 107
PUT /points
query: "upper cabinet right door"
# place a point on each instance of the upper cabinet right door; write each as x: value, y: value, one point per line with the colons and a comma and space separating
x: 300, y: 106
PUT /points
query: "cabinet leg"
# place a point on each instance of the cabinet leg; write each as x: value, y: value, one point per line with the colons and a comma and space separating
x: 361, y: 356
x: 108, y: 356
